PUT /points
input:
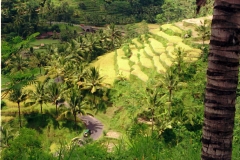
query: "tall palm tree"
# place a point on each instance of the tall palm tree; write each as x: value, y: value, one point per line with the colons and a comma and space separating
x: 76, y: 102
x: 51, y: 11
x: 222, y: 80
x: 56, y: 66
x: 114, y: 36
x: 17, y: 63
x: 39, y: 95
x: 53, y: 93
x: 17, y: 81
x: 18, y: 21
x: 94, y: 86
x: 41, y: 60
x: 18, y: 96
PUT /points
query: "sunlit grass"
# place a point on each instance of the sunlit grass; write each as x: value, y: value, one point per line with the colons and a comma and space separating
x: 105, y: 64
x: 159, y: 67
x: 123, y: 64
x: 171, y: 52
x: 137, y: 43
x: 173, y: 28
x: 5, y: 119
x: 137, y: 72
x: 148, y: 50
x: 173, y: 39
x: 134, y: 57
x: 44, y: 41
x: 157, y: 46
x: 164, y: 58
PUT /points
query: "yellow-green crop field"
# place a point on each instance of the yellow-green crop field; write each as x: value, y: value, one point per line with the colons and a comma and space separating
x: 156, y: 45
x: 103, y: 64
x: 158, y: 65
x: 149, y: 52
x: 165, y: 59
x: 137, y: 72
x: 134, y: 58
x: 173, y: 28
x: 137, y: 43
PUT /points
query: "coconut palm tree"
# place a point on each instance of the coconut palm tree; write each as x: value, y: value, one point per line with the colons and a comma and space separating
x: 39, y: 95
x: 17, y: 63
x: 17, y: 81
x: 114, y: 36
x: 18, y: 96
x: 18, y: 21
x: 154, y: 100
x: 222, y: 80
x: 180, y: 54
x: 169, y: 81
x: 203, y: 30
x: 76, y: 102
x: 41, y: 60
x: 53, y: 93
x: 93, y: 84
x: 56, y: 66
x: 74, y: 72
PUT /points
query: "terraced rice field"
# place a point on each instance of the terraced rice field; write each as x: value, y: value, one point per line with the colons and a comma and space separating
x: 171, y: 27
x: 123, y: 64
x: 146, y: 53
x: 103, y: 64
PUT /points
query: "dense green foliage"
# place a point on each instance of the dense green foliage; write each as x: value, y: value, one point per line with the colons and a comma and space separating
x: 158, y: 119
x: 39, y: 15
x: 26, y: 146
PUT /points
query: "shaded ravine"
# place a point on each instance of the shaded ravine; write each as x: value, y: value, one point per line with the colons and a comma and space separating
x: 94, y: 125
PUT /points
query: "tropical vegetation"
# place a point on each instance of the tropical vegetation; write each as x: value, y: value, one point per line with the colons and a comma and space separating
x: 141, y: 72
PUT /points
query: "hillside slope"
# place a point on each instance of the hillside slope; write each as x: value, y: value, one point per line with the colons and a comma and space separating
x: 150, y: 54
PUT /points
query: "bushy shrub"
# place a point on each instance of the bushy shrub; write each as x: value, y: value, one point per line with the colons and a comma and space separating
x: 82, y: 6
x: 55, y: 28
x: 187, y: 33
x: 26, y: 146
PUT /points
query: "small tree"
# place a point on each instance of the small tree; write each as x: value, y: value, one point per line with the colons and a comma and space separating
x: 154, y: 100
x: 204, y: 30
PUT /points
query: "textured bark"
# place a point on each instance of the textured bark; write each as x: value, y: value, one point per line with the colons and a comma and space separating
x: 222, y: 80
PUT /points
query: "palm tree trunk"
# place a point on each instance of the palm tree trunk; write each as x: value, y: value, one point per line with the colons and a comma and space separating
x: 152, y: 119
x: 75, y: 119
x: 41, y: 107
x: 19, y: 115
x: 222, y: 80
x: 40, y: 68
x: 170, y: 95
x: 170, y: 101
x: 56, y: 108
